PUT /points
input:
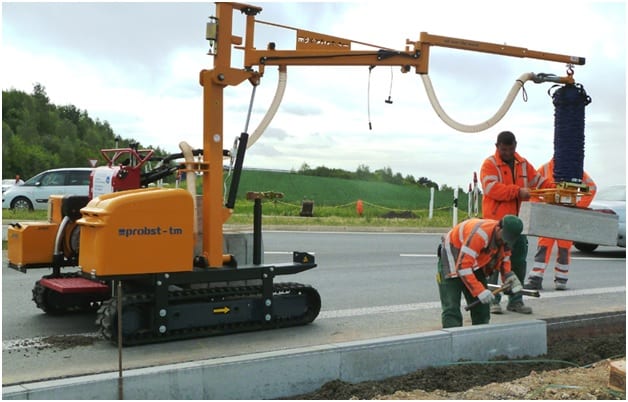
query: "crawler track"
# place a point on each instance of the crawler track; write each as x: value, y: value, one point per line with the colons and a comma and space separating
x: 205, y: 312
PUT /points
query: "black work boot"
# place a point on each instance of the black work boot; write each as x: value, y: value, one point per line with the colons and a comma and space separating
x: 560, y: 284
x: 534, y: 283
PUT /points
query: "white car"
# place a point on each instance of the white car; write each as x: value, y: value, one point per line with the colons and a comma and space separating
x: 7, y: 184
x: 34, y: 193
x: 610, y: 200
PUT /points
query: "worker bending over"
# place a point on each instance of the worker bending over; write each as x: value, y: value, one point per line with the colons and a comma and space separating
x: 545, y: 244
x: 467, y: 256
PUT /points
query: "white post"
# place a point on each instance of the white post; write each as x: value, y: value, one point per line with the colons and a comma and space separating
x: 431, y: 208
x: 476, y: 194
x: 455, y: 206
x: 469, y: 201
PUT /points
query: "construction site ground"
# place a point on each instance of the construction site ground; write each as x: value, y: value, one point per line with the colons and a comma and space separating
x: 589, y: 352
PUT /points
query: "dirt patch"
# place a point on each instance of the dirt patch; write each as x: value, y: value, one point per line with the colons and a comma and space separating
x: 573, y: 368
x: 399, y: 214
x: 68, y: 341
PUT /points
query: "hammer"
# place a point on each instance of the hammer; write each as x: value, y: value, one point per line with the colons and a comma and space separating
x: 495, y: 289
x: 525, y: 292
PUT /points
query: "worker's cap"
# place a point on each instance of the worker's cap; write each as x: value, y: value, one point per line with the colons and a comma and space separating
x: 512, y: 227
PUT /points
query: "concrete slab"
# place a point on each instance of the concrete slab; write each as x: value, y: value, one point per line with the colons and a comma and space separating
x: 291, y: 372
x: 392, y: 356
x: 575, y: 224
x: 518, y: 339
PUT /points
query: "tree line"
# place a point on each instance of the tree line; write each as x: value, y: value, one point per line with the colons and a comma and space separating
x: 363, y: 172
x: 38, y: 135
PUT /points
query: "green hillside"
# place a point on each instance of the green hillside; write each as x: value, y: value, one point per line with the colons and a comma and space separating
x: 325, y: 191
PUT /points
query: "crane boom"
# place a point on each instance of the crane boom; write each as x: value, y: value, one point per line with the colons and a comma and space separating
x: 311, y: 49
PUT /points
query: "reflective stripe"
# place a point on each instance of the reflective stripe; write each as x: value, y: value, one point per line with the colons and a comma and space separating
x: 537, y: 274
x: 483, y: 235
x: 539, y: 265
x: 466, y: 271
x: 487, y: 188
x: 468, y: 251
x: 558, y: 274
x: 494, y: 179
x: 524, y: 167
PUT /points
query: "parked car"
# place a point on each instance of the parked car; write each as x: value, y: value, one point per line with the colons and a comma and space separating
x: 7, y: 184
x: 34, y: 193
x: 610, y: 200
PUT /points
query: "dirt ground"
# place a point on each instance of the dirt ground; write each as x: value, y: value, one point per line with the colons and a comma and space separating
x: 572, y: 369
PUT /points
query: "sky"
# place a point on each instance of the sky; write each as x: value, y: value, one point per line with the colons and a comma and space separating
x: 136, y: 66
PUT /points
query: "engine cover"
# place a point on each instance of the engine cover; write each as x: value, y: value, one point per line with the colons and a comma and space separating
x: 137, y: 232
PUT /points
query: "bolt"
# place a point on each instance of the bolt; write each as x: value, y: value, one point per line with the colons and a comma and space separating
x: 158, y: 283
x: 166, y: 276
x: 162, y: 312
x: 268, y: 302
x: 268, y: 317
x: 162, y: 329
x: 221, y: 77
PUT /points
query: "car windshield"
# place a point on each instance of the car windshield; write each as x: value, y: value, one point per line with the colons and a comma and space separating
x: 613, y: 193
x: 33, y: 180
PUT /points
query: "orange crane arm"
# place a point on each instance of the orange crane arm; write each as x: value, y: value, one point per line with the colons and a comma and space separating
x: 317, y: 49
x: 312, y: 49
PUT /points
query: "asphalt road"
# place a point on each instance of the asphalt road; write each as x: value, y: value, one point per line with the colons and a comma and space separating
x: 371, y: 284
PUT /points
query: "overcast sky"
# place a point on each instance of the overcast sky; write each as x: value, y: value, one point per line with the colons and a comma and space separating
x: 136, y: 65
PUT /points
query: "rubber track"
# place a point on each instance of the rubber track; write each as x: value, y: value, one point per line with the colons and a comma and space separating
x: 107, y: 314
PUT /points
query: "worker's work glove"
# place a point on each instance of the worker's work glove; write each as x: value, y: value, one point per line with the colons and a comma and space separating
x: 513, y: 283
x: 486, y: 296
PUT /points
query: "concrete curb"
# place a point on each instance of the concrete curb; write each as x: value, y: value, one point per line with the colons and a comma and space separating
x: 291, y: 372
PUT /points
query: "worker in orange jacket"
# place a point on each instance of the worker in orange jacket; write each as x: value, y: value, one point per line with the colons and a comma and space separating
x: 507, y: 178
x: 545, y: 244
x: 467, y: 255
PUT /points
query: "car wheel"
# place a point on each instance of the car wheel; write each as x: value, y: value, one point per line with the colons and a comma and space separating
x: 22, y: 203
x: 585, y: 247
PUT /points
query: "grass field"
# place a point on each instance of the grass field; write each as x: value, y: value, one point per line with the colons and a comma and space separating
x: 334, y: 202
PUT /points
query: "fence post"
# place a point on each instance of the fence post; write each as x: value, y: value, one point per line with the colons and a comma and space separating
x: 431, y: 208
x: 469, y: 200
x: 455, y: 206
x: 476, y: 194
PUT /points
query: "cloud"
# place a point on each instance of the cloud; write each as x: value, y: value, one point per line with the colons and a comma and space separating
x: 136, y: 65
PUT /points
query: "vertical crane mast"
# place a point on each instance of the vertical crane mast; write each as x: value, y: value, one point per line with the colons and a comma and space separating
x: 214, y: 82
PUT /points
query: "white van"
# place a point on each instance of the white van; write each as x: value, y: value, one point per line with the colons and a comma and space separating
x: 34, y: 193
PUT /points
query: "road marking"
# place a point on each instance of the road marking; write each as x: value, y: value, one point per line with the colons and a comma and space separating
x: 573, y: 258
x: 357, y: 312
x: 285, y: 252
x: 418, y: 255
x: 598, y: 258
x: 40, y: 341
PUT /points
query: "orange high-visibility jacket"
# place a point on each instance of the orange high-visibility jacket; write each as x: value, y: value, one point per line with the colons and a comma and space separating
x: 470, y: 246
x: 501, y: 189
x: 547, y: 171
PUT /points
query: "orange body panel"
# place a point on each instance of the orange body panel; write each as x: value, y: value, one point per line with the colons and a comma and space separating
x: 140, y: 231
x: 31, y: 243
x: 54, y: 208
